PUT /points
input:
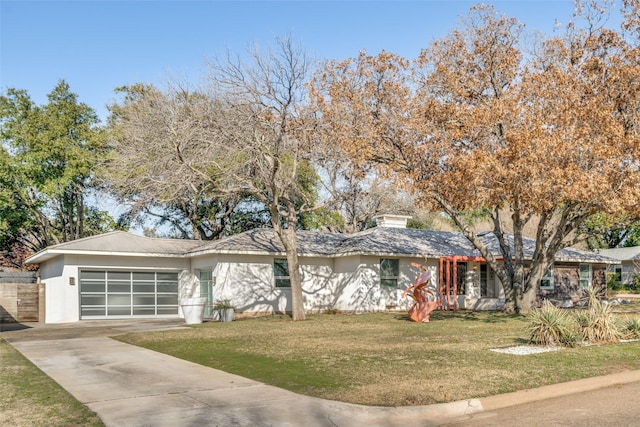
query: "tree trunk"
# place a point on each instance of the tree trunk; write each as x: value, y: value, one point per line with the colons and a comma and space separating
x: 297, y: 300
x: 529, y: 298
x: 80, y: 216
x: 288, y: 239
x: 510, y: 305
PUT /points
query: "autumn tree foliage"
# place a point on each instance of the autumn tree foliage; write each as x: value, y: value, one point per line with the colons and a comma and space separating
x: 545, y: 130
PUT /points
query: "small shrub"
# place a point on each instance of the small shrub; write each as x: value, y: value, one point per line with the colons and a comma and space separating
x: 634, y: 286
x: 614, y: 282
x: 549, y: 325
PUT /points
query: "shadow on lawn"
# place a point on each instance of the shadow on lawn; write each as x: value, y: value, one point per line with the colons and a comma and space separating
x: 485, y: 317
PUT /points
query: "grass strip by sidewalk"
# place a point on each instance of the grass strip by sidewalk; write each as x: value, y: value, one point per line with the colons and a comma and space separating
x: 30, y: 398
x: 383, y: 358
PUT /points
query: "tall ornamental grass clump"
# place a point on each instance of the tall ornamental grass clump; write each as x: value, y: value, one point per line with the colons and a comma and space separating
x: 551, y: 326
x: 597, y: 324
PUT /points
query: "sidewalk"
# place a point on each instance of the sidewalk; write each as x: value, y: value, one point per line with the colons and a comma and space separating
x: 131, y: 386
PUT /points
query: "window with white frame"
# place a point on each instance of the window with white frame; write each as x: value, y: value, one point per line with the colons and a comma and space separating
x: 585, y: 276
x: 389, y: 272
x: 281, y: 273
x: 547, y: 280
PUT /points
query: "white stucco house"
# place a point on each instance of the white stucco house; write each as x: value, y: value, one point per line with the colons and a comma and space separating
x: 121, y: 275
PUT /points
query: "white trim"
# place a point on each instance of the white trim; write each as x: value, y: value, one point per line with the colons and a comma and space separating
x: 590, y: 279
x: 275, y: 278
x: 52, y: 253
x: 396, y: 277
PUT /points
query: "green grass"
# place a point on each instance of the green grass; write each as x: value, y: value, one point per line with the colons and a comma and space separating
x: 383, y: 358
x: 28, y: 397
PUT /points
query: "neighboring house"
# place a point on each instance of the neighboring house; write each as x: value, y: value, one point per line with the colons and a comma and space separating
x: 120, y: 275
x: 629, y: 266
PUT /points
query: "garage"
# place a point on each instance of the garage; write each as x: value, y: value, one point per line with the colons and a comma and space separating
x: 124, y: 294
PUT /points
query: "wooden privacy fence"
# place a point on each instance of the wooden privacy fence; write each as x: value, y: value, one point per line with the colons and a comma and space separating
x: 20, y: 297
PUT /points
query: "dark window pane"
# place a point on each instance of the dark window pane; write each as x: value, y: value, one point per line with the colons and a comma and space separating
x: 93, y: 311
x: 92, y: 275
x: 168, y: 277
x: 119, y: 287
x: 92, y: 286
x: 139, y: 275
x: 283, y: 283
x: 389, y: 267
x: 280, y: 267
x: 389, y: 282
x: 167, y: 299
x: 167, y: 287
x: 118, y: 311
x: 144, y: 287
x: 118, y: 275
x: 205, y: 275
x: 92, y: 300
x: 144, y: 299
x: 144, y: 311
x: 168, y: 310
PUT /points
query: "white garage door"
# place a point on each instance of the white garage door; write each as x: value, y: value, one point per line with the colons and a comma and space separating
x: 122, y: 294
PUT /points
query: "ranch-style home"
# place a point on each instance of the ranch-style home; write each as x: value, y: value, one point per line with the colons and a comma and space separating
x: 120, y: 275
x: 629, y: 266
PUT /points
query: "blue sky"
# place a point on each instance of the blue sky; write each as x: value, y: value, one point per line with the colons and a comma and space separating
x: 97, y: 46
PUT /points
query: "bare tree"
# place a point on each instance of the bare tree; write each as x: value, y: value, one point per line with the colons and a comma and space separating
x: 156, y: 166
x: 264, y: 127
x: 243, y: 135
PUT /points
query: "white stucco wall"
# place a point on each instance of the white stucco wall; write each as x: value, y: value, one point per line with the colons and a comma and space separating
x: 249, y: 283
x: 318, y: 284
x: 357, y: 285
x: 349, y: 283
x: 62, y: 299
x: 629, y: 270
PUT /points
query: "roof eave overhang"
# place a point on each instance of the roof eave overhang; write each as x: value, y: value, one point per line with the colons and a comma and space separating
x: 48, y: 254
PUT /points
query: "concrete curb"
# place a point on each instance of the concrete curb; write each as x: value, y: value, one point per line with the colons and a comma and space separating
x: 557, y: 390
x: 446, y: 413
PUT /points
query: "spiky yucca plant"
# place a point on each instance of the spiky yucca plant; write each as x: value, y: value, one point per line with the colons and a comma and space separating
x: 549, y: 325
x: 597, y: 324
x: 631, y: 328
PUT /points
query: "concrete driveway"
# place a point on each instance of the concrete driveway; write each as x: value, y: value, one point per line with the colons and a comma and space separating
x: 131, y: 386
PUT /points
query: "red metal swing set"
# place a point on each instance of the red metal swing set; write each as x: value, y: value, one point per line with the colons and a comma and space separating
x: 427, y: 296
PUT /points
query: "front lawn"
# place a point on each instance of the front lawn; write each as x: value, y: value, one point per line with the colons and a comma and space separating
x: 383, y: 358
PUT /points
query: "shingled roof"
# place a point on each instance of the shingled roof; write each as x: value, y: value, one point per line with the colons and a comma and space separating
x: 623, y: 254
x: 379, y: 241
